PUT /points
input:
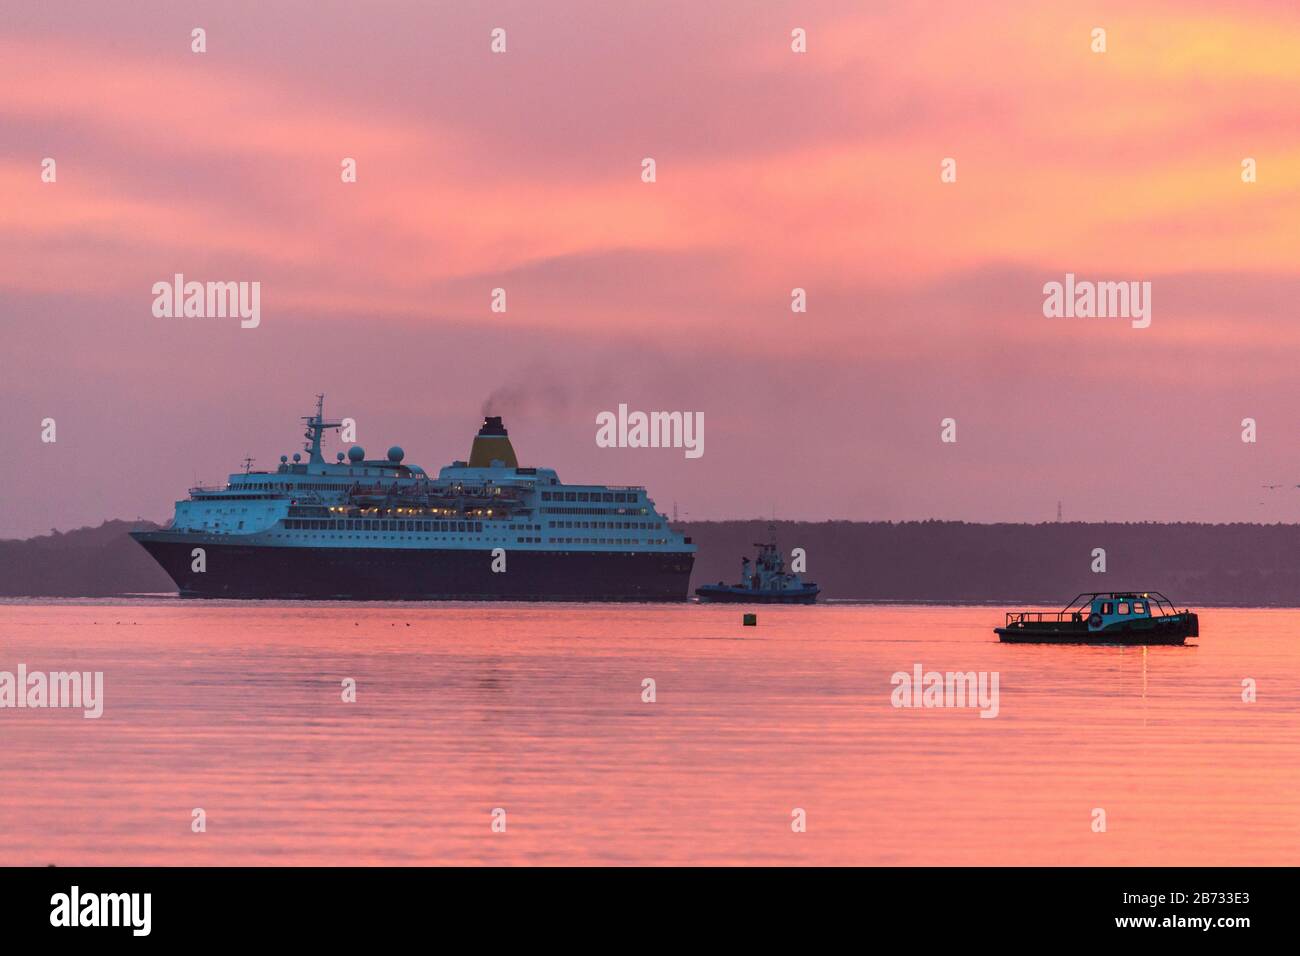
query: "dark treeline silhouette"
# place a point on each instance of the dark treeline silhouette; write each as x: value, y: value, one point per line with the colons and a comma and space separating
x: 1195, y: 564
x: 88, y: 562
x: 1242, y: 564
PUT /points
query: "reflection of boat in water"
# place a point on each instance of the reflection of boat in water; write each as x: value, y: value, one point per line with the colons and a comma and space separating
x: 764, y: 581
x: 1114, y: 617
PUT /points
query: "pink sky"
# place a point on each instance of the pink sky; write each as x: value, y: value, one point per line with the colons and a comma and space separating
x: 775, y: 170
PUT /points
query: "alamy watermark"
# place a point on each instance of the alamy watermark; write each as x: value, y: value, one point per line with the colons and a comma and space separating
x: 923, y: 688
x: 84, y: 689
x: 651, y: 430
x: 1083, y: 299
x: 208, y: 300
x: 130, y: 910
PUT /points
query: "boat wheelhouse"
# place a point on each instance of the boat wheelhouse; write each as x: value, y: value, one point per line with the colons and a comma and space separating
x: 1104, y: 617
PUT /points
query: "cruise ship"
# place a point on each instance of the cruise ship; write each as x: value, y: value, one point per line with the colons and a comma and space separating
x: 362, y: 528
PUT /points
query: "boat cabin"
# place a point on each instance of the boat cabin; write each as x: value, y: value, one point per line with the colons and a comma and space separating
x: 1105, y: 609
x: 1100, y: 610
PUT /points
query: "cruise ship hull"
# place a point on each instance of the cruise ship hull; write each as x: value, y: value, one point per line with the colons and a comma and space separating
x: 236, y: 570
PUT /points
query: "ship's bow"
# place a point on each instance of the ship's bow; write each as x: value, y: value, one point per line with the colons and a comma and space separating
x: 172, y: 554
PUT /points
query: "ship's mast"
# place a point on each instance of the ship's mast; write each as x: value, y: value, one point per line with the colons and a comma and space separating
x: 316, y: 426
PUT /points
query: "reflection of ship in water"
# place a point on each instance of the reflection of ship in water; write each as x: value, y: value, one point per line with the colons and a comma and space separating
x: 763, y: 581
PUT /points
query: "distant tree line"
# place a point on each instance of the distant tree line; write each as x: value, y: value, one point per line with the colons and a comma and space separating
x: 1242, y: 564
x: 1195, y: 564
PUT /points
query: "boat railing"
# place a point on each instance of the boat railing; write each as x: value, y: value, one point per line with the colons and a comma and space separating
x: 1037, y: 617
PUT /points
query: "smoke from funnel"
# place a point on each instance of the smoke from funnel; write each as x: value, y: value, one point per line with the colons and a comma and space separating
x: 546, y: 391
x: 522, y: 401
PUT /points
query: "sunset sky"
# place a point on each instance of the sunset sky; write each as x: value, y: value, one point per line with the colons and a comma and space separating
x: 775, y: 170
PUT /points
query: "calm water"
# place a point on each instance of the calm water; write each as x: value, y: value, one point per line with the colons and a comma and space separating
x: 236, y: 708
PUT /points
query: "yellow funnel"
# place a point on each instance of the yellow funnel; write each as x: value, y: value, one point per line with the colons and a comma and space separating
x: 492, y: 443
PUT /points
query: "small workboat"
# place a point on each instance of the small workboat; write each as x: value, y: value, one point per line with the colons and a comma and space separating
x: 1129, y: 617
x: 765, y: 581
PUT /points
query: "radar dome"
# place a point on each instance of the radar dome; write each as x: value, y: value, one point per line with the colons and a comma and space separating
x: 395, y: 454
x: 339, y: 456
x: 297, y: 457
x: 283, y: 459
x: 356, y: 453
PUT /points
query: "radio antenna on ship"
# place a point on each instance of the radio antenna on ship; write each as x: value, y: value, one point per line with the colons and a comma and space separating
x: 316, y: 426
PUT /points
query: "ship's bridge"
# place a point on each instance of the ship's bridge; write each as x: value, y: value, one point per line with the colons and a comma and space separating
x: 339, y: 476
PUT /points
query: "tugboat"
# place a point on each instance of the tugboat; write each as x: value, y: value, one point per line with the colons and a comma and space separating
x: 1129, y: 617
x: 765, y: 581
